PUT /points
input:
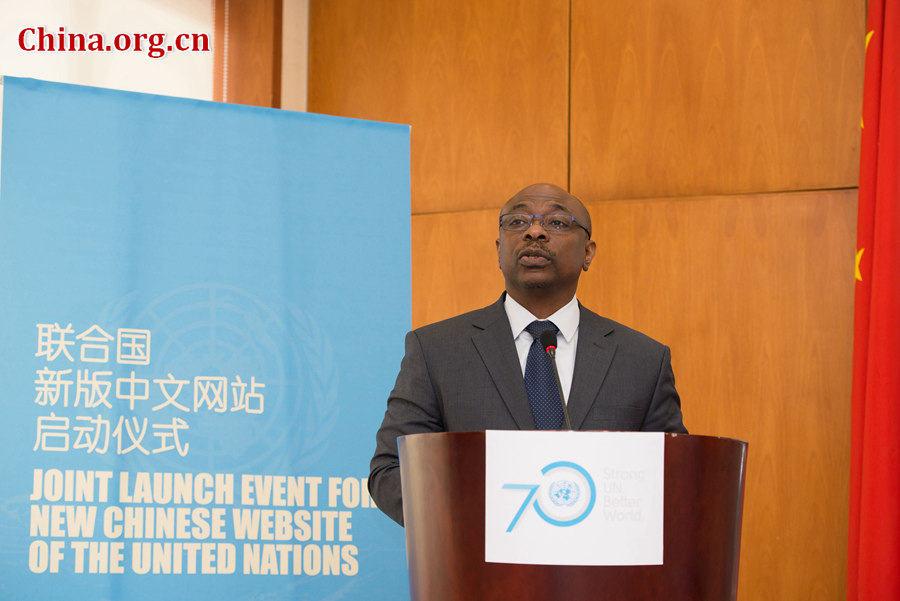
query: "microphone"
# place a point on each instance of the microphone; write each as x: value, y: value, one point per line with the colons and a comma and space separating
x: 548, y: 341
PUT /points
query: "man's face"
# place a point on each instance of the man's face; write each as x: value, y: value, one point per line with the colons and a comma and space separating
x: 540, y: 260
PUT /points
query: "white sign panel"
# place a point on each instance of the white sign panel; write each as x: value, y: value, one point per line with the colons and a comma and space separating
x: 574, y: 498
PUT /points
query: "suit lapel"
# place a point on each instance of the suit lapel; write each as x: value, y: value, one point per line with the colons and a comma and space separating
x: 494, y: 341
x: 593, y: 357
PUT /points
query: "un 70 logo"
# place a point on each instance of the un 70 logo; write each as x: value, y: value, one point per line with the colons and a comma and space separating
x: 561, y: 499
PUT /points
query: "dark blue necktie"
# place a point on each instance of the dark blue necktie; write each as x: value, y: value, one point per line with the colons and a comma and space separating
x: 540, y: 381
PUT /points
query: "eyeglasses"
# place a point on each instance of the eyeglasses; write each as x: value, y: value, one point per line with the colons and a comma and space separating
x: 552, y: 222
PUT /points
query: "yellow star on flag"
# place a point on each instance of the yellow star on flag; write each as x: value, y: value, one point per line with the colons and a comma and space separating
x: 858, y: 259
x: 863, y: 126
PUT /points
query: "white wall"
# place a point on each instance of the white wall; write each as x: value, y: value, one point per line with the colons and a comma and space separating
x: 187, y: 74
x: 294, y: 55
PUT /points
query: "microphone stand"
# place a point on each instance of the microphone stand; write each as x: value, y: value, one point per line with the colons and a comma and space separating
x: 551, y: 350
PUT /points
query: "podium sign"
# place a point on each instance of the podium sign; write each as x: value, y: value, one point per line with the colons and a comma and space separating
x: 574, y: 498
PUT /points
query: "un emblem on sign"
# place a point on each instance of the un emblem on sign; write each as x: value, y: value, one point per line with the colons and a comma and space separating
x: 564, y: 496
x: 564, y: 493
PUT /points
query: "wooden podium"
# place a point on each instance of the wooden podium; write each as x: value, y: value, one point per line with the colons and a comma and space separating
x: 443, y: 512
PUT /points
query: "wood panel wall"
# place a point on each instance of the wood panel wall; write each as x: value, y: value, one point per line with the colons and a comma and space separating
x: 483, y: 84
x: 739, y: 123
x: 693, y: 97
x: 716, y: 146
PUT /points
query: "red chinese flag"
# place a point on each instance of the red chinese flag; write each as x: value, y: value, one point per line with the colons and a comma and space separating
x: 873, y: 570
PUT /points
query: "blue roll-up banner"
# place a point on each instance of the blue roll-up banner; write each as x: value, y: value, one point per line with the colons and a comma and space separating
x: 203, y: 308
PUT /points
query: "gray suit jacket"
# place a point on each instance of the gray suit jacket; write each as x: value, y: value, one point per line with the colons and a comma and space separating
x: 463, y: 374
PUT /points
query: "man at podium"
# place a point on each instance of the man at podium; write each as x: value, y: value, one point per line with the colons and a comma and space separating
x: 489, y: 369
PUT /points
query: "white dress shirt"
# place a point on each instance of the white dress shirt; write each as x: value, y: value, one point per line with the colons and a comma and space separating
x: 566, y: 319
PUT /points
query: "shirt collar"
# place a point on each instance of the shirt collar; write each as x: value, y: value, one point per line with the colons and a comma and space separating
x: 566, y: 318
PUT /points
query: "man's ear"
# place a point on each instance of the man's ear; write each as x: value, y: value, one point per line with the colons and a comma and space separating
x: 590, y: 249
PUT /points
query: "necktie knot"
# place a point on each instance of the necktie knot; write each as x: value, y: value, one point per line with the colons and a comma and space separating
x: 538, y: 327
